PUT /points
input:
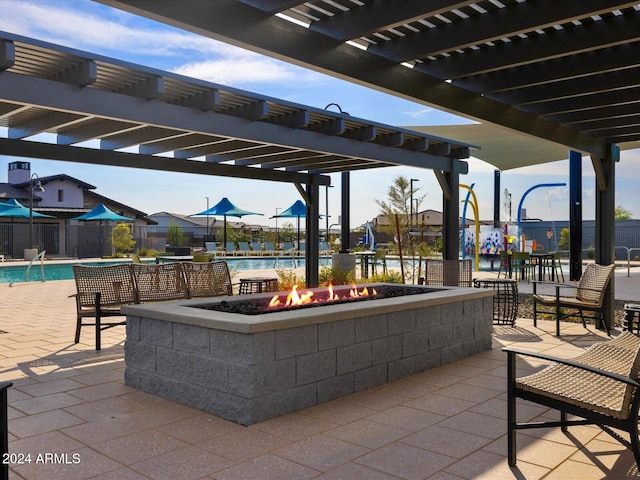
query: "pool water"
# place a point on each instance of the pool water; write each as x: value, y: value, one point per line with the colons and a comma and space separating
x: 64, y: 271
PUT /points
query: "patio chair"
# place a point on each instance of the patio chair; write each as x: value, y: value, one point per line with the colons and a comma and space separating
x: 522, y: 266
x: 600, y: 386
x: 553, y: 267
x: 269, y: 248
x: 230, y: 248
x: 256, y: 248
x: 588, y: 296
x: 156, y: 283
x: 208, y: 279
x: 380, y: 258
x: 212, y: 248
x: 288, y: 248
x: 448, y: 273
x: 243, y: 248
x: 101, y: 292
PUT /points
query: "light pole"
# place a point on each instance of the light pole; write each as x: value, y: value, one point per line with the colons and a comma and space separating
x: 37, y: 187
x: 411, y: 205
x: 207, y: 234
x: 277, y: 232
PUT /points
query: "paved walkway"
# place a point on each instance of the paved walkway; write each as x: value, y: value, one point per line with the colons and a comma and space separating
x: 447, y: 423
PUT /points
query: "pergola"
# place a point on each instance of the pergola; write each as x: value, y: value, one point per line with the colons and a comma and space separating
x: 108, y: 112
x: 560, y: 71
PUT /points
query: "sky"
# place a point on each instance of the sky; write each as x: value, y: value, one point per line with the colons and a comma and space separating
x: 95, y: 28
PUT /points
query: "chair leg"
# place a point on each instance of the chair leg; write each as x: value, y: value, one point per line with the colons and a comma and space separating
x: 78, y: 327
x: 511, y: 409
x: 563, y: 419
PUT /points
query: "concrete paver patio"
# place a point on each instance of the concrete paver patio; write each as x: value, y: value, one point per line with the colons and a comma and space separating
x: 446, y: 423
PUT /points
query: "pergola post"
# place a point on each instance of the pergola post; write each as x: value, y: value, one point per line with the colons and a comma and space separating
x: 312, y: 222
x: 605, y: 220
x: 575, y: 215
x: 451, y: 212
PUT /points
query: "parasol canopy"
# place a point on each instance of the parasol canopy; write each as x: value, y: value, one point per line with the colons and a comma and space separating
x: 14, y: 209
x: 225, y: 208
x: 100, y: 213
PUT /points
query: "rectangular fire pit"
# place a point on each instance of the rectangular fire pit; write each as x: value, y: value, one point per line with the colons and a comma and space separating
x: 247, y: 368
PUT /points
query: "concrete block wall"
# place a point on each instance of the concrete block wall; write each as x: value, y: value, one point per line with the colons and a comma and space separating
x: 248, y: 378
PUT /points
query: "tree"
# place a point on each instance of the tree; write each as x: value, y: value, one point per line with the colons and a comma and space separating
x: 399, y: 202
x: 622, y: 213
x: 175, y: 237
x: 563, y: 244
x: 397, y: 210
x: 122, y: 239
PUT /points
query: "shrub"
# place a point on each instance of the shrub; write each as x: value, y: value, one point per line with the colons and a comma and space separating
x: 335, y: 276
x: 288, y: 278
x: 122, y: 239
x: 391, y: 277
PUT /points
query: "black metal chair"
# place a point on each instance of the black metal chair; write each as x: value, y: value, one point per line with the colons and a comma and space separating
x: 600, y: 386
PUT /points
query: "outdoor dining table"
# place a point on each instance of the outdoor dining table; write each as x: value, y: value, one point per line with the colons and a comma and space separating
x: 541, y: 259
x: 365, y: 260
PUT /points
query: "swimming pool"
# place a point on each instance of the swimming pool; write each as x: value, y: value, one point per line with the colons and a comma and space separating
x: 64, y: 271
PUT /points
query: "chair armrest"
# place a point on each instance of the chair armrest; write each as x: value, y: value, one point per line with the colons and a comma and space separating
x: 511, y: 351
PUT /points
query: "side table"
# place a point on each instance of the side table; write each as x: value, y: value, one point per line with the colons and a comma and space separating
x: 505, y: 302
x: 631, y: 318
x: 258, y: 285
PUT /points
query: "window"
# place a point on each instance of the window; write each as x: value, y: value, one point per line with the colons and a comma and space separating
x: 61, y: 195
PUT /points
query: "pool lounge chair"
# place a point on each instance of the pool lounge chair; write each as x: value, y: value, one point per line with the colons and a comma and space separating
x: 212, y: 248
x: 243, y: 248
x: 270, y: 248
x: 256, y: 248
x: 288, y: 248
x: 230, y: 249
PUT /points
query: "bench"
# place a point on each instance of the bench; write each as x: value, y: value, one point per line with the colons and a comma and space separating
x: 103, y: 290
x: 600, y: 386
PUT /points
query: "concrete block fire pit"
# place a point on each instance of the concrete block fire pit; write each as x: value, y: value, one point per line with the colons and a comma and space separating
x: 248, y: 368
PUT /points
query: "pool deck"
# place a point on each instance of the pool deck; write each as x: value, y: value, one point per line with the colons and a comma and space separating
x: 448, y: 423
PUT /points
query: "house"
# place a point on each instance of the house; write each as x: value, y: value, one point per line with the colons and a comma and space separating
x: 64, y: 197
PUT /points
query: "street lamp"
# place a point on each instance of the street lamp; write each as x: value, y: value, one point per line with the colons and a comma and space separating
x: 207, y: 234
x: 37, y: 187
x: 411, y: 205
x: 277, y: 232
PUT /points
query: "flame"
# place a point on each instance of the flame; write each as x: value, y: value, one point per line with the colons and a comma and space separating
x: 295, y: 298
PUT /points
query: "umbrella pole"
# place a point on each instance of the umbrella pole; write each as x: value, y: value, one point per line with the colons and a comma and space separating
x: 225, y: 232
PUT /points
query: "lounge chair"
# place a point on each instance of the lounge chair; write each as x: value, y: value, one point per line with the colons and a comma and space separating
x: 230, y: 249
x: 588, y: 296
x: 269, y: 248
x: 256, y: 248
x: 288, y: 248
x: 212, y: 248
x: 600, y: 386
x: 243, y: 248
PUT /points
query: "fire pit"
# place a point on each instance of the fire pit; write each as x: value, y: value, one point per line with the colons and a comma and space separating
x: 250, y: 366
x: 309, y: 298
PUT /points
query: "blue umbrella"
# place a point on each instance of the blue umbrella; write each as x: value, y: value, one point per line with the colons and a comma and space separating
x: 297, y: 210
x: 14, y: 209
x: 223, y: 208
x: 100, y: 213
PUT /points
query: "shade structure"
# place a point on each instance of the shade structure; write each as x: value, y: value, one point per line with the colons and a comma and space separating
x: 297, y: 210
x: 14, y: 209
x: 225, y: 208
x: 101, y: 213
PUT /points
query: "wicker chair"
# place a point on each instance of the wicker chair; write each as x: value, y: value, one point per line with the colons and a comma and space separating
x: 600, y: 386
x: 101, y: 292
x: 448, y: 273
x: 207, y: 279
x: 588, y: 297
x: 157, y: 283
